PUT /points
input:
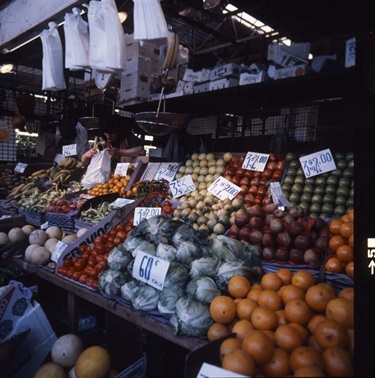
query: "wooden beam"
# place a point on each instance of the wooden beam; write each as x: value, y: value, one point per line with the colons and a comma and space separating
x: 25, y: 19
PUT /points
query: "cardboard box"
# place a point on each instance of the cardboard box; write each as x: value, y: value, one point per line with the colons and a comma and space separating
x: 248, y: 78
x: 283, y: 73
x: 196, y: 76
x: 26, y: 336
x: 223, y: 83
x: 227, y: 70
x: 288, y: 56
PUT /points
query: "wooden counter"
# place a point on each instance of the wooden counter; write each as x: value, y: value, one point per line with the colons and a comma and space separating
x: 76, y: 292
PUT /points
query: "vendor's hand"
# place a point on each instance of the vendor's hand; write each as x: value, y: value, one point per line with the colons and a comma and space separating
x: 86, y: 157
x: 115, y: 153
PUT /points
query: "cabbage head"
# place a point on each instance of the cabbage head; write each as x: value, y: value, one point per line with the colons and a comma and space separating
x: 110, y: 282
x: 118, y: 259
x: 204, y: 267
x: 146, y: 298
x: 227, y: 270
x: 187, y: 252
x: 177, y: 274
x: 203, y: 289
x: 168, y: 298
x: 145, y: 246
x: 166, y: 252
x: 129, y: 289
x: 132, y: 242
x: 191, y: 318
x: 226, y: 248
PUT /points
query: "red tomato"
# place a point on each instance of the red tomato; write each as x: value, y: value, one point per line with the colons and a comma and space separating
x: 75, y: 258
x: 167, y: 203
x: 91, y: 271
x: 100, y: 266
x: 89, y: 281
x: 94, y: 253
x: 62, y: 270
x: 100, y: 248
x: 79, y: 265
x: 86, y: 256
x: 99, y: 239
x: 76, y: 276
x: 167, y: 210
x: 112, y: 232
x: 120, y: 227
x: 83, y: 278
x: 68, y: 262
x: 83, y: 248
x: 110, y: 245
x: 100, y: 258
x: 70, y: 272
x: 92, y: 262
x: 94, y: 284
x: 117, y: 241
x: 121, y: 234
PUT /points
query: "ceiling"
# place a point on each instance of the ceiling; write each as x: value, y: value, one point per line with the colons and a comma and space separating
x: 211, y: 35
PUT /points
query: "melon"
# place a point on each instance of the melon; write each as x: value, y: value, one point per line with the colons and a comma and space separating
x: 54, y: 232
x: 66, y: 350
x: 4, y: 239
x: 50, y: 244
x: 48, y: 370
x: 29, y: 250
x: 81, y: 231
x: 38, y: 237
x: 28, y: 229
x: 69, y: 238
x: 93, y: 362
x: 16, y: 234
x: 40, y: 255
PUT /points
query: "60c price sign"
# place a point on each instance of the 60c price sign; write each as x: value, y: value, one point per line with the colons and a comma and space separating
x: 317, y: 163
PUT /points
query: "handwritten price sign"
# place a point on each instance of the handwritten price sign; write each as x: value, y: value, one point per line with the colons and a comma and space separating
x: 165, y: 174
x: 255, y: 161
x: 69, y: 150
x: 141, y: 213
x: 121, y: 202
x: 317, y: 163
x: 20, y: 167
x: 122, y: 169
x: 150, y: 269
x: 223, y: 188
x: 181, y: 186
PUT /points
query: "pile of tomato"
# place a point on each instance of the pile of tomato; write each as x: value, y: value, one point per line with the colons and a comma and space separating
x: 92, y: 259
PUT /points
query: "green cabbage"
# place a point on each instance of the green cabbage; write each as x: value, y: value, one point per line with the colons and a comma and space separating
x: 110, y: 281
x: 168, y: 298
x: 227, y: 270
x: 191, y: 318
x: 226, y: 248
x: 204, y: 267
x: 145, y: 246
x: 129, y: 289
x: 187, y: 252
x: 177, y: 274
x: 166, y: 252
x: 118, y: 258
x: 203, y: 289
x: 146, y: 298
x: 132, y: 241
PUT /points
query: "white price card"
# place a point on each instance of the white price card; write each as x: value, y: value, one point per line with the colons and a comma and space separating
x: 317, y: 163
x: 122, y: 169
x: 141, y: 213
x: 58, y: 250
x: 255, y: 161
x: 87, y: 196
x: 121, y: 202
x: 69, y: 150
x: 5, y: 217
x: 223, y: 188
x: 181, y: 186
x: 59, y: 158
x: 167, y: 171
x: 150, y: 269
x: 44, y: 226
x: 212, y: 371
x: 277, y: 195
x: 20, y: 167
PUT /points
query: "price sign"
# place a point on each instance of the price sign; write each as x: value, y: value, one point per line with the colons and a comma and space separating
x: 223, y: 188
x: 5, y: 217
x: 317, y: 163
x: 59, y: 158
x: 58, y: 250
x: 20, y: 167
x: 44, y: 226
x: 122, y: 169
x: 277, y: 195
x: 150, y: 269
x: 87, y: 196
x: 181, y: 186
x: 212, y: 371
x: 141, y: 213
x: 255, y: 161
x: 69, y: 150
x: 121, y: 202
x: 165, y: 174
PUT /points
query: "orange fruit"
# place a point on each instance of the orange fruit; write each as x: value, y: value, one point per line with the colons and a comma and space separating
x: 313, y: 343
x: 308, y: 371
x: 239, y: 361
x: 345, y: 253
x: 238, y: 286
x: 270, y: 299
x: 349, y: 269
x: 318, y: 296
x: 254, y: 294
x: 351, y: 215
x: 223, y: 309
x: 345, y: 218
x: 303, y: 331
x: 285, y: 275
x: 270, y: 334
x: 245, y: 307
x: 281, y: 316
x: 297, y: 311
x: 334, y: 265
x: 303, y: 279
x: 346, y: 229
x: 264, y: 318
x: 289, y: 292
x: 335, y: 241
x: 314, y: 321
x: 229, y: 344
x: 256, y: 286
x: 334, y: 226
x: 351, y: 240
x: 347, y: 292
x: 278, y: 365
x: 216, y: 331
x: 242, y: 327
x: 350, y: 332
x: 306, y: 356
x: 271, y: 281
x: 259, y: 346
x: 341, y: 310
x: 329, y: 333
x: 338, y: 362
x: 287, y: 338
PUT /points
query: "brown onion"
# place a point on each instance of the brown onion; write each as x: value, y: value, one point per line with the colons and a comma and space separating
x: 283, y: 239
x: 255, y: 237
x: 276, y: 225
x: 282, y: 254
x: 241, y: 218
x: 302, y: 242
x: 296, y: 256
x: 256, y: 223
x: 268, y: 253
x: 244, y: 233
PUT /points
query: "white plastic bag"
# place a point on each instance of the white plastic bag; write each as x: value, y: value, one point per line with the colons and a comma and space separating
x: 98, y: 171
x: 107, y: 39
x: 52, y: 62
x: 76, y: 32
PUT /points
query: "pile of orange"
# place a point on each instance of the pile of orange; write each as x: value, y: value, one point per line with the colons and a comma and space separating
x: 286, y: 325
x: 116, y: 184
x: 341, y: 245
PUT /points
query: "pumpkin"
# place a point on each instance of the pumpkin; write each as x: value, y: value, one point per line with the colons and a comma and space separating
x: 16, y: 234
x: 40, y: 255
x: 54, y: 232
x: 93, y: 362
x: 4, y: 239
x: 66, y: 350
x: 48, y: 370
x: 38, y: 237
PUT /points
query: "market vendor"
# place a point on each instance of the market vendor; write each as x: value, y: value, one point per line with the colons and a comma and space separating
x: 122, y: 144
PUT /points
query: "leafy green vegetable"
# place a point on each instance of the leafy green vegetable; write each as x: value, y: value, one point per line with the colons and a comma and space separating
x: 187, y: 252
x: 226, y: 248
x: 110, y: 281
x: 166, y: 252
x: 177, y: 274
x: 119, y: 258
x: 129, y: 289
x: 168, y: 298
x: 132, y: 241
x: 227, y: 270
x: 145, y: 246
x: 203, y: 289
x: 146, y: 298
x: 204, y: 267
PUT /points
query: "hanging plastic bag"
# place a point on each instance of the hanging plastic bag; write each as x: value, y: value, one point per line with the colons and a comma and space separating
x: 76, y: 32
x: 150, y: 26
x: 98, y: 171
x: 107, y: 39
x: 52, y: 62
x: 81, y: 140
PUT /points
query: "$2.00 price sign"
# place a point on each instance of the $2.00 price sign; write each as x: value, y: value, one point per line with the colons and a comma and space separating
x: 150, y: 269
x: 69, y: 150
x: 223, y: 188
x: 181, y: 186
x: 141, y: 213
x: 255, y: 161
x: 317, y: 163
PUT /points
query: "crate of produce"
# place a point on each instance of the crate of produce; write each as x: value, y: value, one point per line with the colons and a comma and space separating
x: 65, y: 221
x: 34, y: 218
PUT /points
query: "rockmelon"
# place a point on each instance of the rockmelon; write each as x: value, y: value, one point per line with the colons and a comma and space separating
x: 54, y: 232
x: 50, y: 244
x: 40, y: 255
x: 28, y: 229
x: 16, y: 234
x: 29, y: 250
x: 81, y: 231
x: 66, y: 350
x: 4, y: 239
x: 38, y: 237
x: 49, y: 370
x: 93, y: 362
x: 69, y: 238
